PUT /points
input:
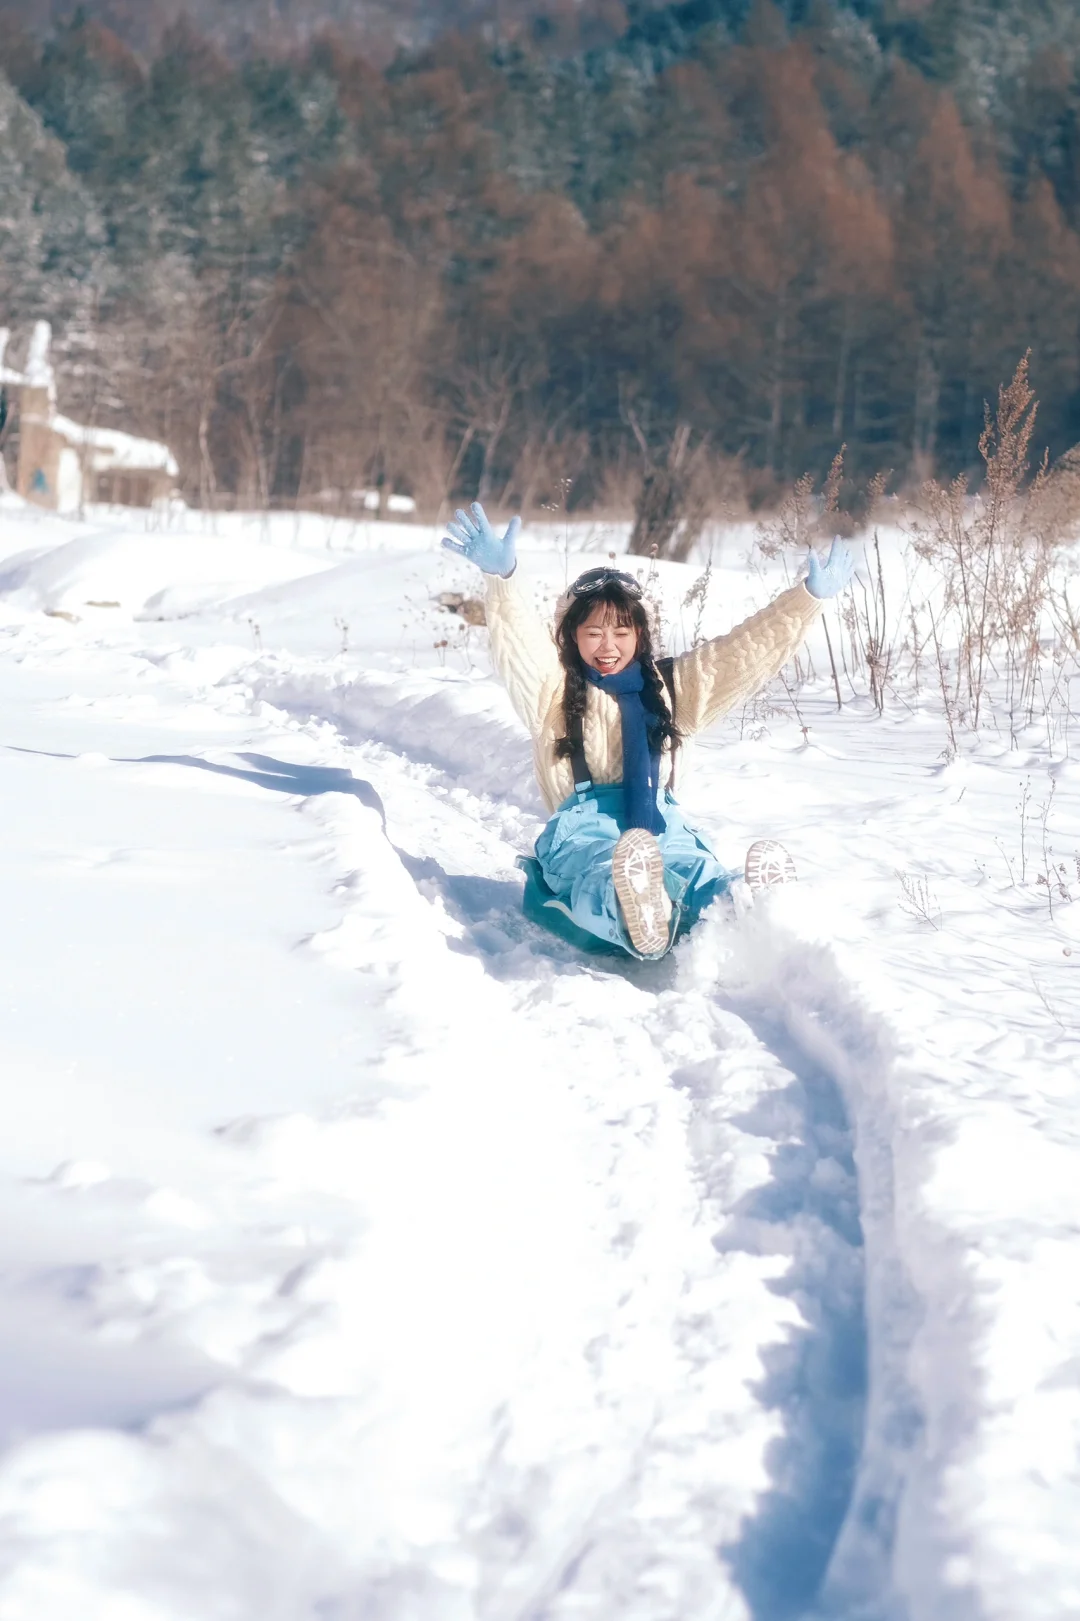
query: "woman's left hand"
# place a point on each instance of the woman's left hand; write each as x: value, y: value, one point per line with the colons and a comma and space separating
x: 828, y: 579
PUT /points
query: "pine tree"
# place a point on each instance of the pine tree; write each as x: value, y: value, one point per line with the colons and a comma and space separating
x: 51, y: 235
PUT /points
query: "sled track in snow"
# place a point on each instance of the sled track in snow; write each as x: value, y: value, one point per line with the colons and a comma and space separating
x: 818, y: 1379
x: 811, y: 1517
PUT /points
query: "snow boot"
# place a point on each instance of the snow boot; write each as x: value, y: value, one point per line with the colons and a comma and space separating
x: 637, y: 867
x: 768, y: 863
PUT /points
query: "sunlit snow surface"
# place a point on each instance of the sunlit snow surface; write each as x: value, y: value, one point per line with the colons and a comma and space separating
x: 368, y: 1256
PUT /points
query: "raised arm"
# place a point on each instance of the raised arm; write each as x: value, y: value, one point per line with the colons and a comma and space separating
x: 713, y: 678
x: 522, y: 651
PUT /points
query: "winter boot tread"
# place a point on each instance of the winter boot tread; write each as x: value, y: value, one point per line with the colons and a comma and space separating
x: 768, y: 863
x: 637, y: 866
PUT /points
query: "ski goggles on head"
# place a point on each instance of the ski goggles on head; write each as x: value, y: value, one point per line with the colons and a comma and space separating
x: 595, y: 579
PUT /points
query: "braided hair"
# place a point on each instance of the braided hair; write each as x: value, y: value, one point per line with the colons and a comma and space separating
x: 626, y: 610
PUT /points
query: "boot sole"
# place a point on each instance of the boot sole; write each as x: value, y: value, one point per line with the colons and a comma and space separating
x: 768, y: 863
x: 637, y: 867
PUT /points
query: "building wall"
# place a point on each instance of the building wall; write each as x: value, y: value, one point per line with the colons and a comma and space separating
x: 54, y: 474
x: 39, y: 450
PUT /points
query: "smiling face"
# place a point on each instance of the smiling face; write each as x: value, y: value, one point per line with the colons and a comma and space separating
x: 605, y: 644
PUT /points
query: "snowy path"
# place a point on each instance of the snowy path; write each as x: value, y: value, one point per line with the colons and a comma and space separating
x: 766, y: 1147
x: 561, y: 1411
x: 793, y: 1230
x: 369, y: 1254
x: 894, y: 1027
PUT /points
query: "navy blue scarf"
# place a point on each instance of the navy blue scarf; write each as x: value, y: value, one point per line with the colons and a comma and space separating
x: 641, y: 762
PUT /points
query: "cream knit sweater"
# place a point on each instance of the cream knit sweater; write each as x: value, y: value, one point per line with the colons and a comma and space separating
x: 709, y: 680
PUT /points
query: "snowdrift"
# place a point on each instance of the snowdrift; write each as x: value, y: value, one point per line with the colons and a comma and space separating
x: 136, y: 572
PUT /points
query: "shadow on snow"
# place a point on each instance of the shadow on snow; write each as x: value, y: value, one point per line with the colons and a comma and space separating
x: 809, y: 1210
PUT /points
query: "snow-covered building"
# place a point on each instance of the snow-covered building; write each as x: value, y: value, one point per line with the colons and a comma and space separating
x: 65, y: 465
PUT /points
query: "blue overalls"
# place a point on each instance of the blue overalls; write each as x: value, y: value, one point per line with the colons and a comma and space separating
x: 568, y: 884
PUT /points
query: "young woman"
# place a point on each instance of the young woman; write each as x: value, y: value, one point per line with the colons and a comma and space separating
x: 618, y: 859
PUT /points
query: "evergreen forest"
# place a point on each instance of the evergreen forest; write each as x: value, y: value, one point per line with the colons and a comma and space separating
x: 544, y: 254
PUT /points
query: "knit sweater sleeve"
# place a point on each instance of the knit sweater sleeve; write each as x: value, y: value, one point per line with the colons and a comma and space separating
x: 522, y: 650
x: 711, y: 679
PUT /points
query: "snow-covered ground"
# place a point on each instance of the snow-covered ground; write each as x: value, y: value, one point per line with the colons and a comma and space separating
x: 368, y: 1256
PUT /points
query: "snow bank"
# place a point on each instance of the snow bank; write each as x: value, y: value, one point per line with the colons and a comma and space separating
x: 462, y: 725
x: 123, y: 570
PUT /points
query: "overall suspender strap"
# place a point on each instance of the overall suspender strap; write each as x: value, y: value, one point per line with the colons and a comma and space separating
x: 578, y: 763
x: 576, y: 733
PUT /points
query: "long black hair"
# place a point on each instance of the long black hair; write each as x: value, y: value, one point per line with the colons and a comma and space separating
x: 626, y: 609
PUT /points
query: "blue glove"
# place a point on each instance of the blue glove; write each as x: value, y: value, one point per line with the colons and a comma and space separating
x: 475, y: 539
x: 828, y: 579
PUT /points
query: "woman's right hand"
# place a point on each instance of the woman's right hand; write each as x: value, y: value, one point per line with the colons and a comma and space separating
x: 475, y: 539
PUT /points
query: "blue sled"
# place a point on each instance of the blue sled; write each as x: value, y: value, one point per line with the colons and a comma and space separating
x: 541, y: 907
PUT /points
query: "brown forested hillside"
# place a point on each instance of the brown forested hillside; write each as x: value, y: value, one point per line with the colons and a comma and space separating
x: 713, y: 242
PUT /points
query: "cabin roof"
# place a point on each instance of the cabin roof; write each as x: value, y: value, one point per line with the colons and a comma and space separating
x: 107, y: 450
